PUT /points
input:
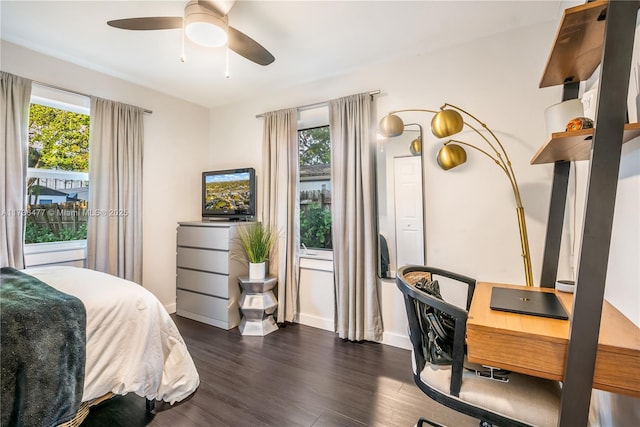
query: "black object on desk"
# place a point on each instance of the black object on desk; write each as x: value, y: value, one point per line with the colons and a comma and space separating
x: 544, y: 304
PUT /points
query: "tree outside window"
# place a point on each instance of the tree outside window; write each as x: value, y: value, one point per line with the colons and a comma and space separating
x: 315, y: 187
x: 57, y: 177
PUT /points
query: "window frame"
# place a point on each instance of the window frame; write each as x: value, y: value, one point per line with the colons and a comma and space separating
x: 313, y: 253
x: 71, y: 102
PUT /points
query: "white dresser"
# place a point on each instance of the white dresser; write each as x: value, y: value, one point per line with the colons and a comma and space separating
x: 209, y: 262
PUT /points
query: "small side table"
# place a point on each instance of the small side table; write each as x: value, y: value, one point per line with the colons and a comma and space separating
x: 257, y: 304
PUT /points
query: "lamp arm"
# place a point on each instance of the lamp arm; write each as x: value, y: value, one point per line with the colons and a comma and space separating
x: 501, y: 165
x: 471, y: 126
x: 498, y: 154
x: 484, y: 125
x: 486, y: 153
x: 522, y: 224
x: 506, y: 161
x: 413, y: 109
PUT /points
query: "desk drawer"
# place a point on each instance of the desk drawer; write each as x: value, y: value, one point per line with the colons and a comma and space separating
x: 204, y: 237
x: 203, y: 259
x: 206, y: 283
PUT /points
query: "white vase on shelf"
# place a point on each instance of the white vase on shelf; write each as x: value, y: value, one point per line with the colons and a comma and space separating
x: 257, y: 270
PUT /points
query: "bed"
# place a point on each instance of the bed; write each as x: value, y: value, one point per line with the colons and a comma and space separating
x: 132, y: 344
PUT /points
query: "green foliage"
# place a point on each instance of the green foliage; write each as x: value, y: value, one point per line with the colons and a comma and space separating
x: 314, y: 146
x: 37, y: 234
x: 257, y: 240
x: 315, y: 226
x: 58, y: 139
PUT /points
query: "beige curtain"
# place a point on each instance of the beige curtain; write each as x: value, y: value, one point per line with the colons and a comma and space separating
x: 280, y: 204
x: 16, y: 94
x: 114, y: 231
x: 358, y: 313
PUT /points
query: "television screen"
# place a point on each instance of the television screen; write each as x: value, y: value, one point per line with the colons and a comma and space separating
x: 229, y: 193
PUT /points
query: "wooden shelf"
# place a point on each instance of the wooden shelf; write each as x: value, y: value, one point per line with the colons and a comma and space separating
x: 575, y: 145
x: 577, y: 50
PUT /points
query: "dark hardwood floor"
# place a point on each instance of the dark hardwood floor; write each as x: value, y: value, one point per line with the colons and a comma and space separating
x: 296, y: 376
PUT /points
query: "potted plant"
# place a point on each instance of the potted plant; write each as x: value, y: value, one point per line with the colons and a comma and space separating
x: 257, y: 241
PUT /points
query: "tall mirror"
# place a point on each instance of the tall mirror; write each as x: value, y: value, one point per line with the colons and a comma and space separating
x: 400, y: 192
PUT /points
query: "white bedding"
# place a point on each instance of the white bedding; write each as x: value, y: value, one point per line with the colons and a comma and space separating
x: 132, y: 343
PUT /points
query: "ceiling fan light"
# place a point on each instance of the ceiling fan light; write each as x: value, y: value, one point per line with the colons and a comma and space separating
x: 202, y: 26
x: 206, y: 34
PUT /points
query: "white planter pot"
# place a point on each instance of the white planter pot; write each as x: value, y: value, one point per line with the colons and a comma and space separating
x: 257, y: 270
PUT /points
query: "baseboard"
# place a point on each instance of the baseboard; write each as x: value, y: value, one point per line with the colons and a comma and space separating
x: 171, y: 308
x: 396, y: 340
x: 388, y: 338
x: 316, y: 322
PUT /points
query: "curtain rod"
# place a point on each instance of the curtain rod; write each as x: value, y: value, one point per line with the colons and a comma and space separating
x: 75, y: 92
x: 317, y: 104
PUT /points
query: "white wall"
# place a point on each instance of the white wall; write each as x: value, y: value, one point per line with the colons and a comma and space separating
x: 471, y: 222
x: 623, y: 272
x: 317, y: 294
x: 622, y: 287
x: 176, y: 143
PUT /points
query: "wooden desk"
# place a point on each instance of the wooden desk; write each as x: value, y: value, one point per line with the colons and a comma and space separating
x: 537, y: 346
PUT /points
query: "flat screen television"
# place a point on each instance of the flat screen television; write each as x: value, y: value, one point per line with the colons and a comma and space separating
x: 229, y: 194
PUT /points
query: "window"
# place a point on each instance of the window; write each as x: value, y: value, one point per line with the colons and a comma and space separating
x: 314, y: 150
x: 58, y: 165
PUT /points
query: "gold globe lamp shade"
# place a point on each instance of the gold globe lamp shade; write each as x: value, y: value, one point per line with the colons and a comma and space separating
x: 391, y: 125
x: 451, y: 155
x: 416, y: 147
x: 446, y: 123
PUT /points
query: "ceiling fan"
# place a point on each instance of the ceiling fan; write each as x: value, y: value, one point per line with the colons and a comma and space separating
x: 205, y: 23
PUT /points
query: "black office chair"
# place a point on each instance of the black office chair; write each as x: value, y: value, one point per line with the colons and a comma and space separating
x: 503, y: 399
x: 384, y: 256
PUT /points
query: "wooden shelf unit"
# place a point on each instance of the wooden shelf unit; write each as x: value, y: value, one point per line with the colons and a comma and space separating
x: 575, y: 145
x: 578, y: 45
x: 595, y: 34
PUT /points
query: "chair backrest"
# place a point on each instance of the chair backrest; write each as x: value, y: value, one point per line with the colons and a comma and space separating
x: 384, y: 256
x: 406, y: 279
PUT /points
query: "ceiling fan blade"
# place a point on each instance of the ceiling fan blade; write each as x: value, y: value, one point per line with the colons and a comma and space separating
x: 245, y: 46
x: 221, y: 7
x: 149, y: 23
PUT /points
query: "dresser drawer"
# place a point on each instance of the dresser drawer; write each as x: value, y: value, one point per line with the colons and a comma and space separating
x: 211, y: 310
x: 204, y: 237
x: 205, y: 260
x: 206, y: 283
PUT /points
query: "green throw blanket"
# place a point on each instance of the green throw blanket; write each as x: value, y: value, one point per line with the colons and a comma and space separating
x: 42, y: 351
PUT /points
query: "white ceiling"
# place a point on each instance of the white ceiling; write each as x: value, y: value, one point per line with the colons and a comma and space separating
x: 310, y: 40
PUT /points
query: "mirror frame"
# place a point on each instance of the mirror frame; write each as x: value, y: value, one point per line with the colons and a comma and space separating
x: 382, y: 183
